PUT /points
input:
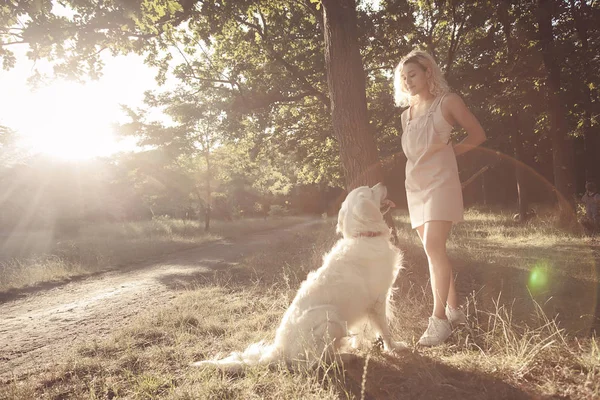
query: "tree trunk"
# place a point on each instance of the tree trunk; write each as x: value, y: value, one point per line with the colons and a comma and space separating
x: 562, y: 146
x: 591, y: 142
x: 346, y: 80
x: 522, y: 198
x: 484, y: 190
x: 515, y: 137
x: 207, y: 212
x: 347, y: 93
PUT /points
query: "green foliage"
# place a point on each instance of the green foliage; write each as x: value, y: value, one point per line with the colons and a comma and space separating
x: 317, y: 3
x: 257, y: 68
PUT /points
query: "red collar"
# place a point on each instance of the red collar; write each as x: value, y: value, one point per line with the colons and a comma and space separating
x: 368, y: 234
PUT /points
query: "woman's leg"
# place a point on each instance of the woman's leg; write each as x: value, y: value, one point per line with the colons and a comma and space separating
x: 434, y: 235
x: 452, y: 295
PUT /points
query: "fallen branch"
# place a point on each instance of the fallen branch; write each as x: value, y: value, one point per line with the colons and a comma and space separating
x: 474, y: 176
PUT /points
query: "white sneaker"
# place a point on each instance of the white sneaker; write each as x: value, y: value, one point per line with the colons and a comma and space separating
x: 437, y: 332
x: 455, y: 316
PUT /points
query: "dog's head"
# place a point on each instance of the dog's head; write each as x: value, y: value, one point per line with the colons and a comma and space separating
x: 361, y: 215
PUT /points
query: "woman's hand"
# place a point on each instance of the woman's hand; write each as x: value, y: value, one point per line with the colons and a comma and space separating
x: 456, y: 112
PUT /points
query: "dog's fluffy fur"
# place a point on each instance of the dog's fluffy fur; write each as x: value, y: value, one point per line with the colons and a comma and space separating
x: 351, y: 290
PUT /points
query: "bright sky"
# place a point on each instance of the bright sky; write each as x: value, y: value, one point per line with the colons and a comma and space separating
x: 70, y: 120
x: 374, y: 3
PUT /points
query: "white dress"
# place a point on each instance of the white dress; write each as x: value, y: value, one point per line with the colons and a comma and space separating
x: 433, y: 188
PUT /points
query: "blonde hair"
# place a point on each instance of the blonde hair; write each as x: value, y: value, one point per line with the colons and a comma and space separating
x: 437, y: 83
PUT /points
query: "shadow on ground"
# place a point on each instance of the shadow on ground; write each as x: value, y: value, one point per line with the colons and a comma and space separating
x: 413, y: 376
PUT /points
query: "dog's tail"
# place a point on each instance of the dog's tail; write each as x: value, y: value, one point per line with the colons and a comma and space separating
x: 256, y: 354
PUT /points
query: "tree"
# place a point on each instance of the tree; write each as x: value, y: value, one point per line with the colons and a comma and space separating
x: 197, y: 129
x: 562, y: 145
x: 10, y: 153
x: 347, y: 92
x: 582, y: 13
x: 72, y: 33
x: 265, y: 59
x: 513, y: 111
x: 346, y: 81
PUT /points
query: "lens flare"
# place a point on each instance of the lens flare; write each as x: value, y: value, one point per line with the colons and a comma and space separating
x: 538, y: 277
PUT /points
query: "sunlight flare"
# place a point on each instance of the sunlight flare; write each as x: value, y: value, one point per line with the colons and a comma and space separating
x: 538, y: 277
x: 70, y: 121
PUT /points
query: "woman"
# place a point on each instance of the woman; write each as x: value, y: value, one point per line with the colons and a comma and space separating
x: 433, y: 188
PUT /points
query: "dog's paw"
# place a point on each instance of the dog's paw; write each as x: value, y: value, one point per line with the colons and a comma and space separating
x: 396, y: 347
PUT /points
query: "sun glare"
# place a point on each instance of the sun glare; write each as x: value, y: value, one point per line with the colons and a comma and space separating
x: 70, y: 121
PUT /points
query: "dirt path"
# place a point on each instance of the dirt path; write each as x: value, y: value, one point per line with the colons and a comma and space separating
x: 35, y: 330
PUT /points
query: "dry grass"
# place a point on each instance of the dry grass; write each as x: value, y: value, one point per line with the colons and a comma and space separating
x: 30, y: 258
x: 513, y: 347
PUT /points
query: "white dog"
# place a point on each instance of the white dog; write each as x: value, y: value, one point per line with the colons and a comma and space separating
x: 352, y: 289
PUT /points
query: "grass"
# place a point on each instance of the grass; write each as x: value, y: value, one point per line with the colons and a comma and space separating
x: 517, y: 343
x: 33, y: 258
